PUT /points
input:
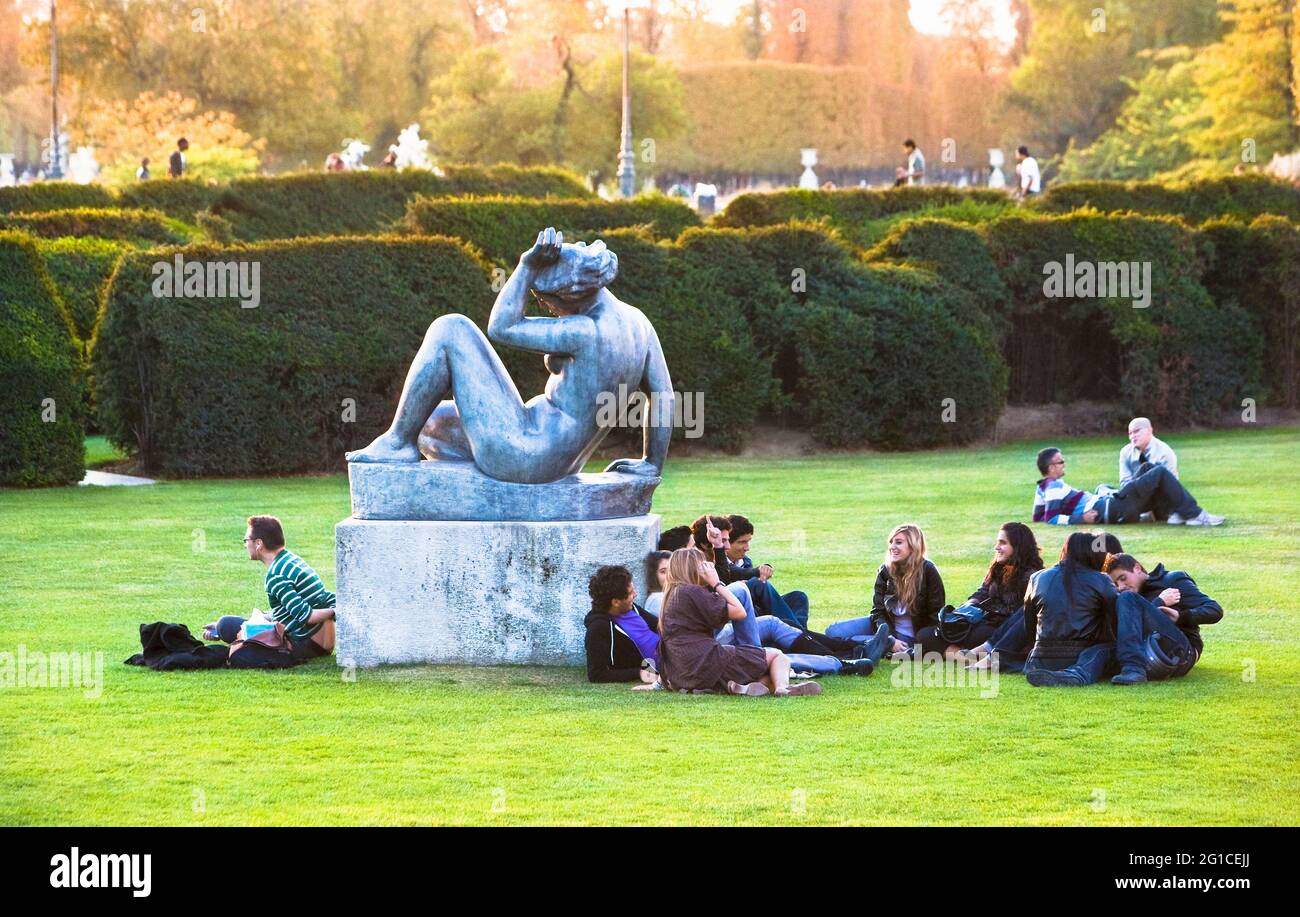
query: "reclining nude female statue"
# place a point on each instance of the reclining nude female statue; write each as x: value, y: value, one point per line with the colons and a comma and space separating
x: 593, y: 344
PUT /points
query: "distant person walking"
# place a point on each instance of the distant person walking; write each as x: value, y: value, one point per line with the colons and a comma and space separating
x: 176, y: 162
x: 1031, y: 180
x: 142, y: 173
x: 914, y: 172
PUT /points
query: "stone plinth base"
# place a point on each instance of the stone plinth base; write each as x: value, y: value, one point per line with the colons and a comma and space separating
x: 445, y: 490
x: 476, y: 593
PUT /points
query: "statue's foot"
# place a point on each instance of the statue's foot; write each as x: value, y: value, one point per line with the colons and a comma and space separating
x: 387, y: 447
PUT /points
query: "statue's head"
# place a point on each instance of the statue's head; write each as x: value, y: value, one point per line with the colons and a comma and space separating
x: 571, y: 283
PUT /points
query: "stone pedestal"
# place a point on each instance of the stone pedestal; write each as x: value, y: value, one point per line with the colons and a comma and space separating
x: 476, y: 593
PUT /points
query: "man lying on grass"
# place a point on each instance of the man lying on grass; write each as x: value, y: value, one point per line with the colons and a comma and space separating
x: 1156, y: 490
x: 1158, y: 620
x: 298, y: 599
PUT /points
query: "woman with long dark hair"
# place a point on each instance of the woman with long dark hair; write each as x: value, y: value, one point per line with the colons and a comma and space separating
x: 1070, y: 609
x: 1002, y: 594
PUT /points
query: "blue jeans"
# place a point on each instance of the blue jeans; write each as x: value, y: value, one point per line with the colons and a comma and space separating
x: 791, y: 608
x: 774, y: 632
x: 1090, y: 667
x: 854, y: 628
x: 1009, y: 641
x: 745, y: 631
x: 1136, y: 619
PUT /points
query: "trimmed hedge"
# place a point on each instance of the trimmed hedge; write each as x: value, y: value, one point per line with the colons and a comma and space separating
x: 503, y: 227
x: 38, y: 361
x: 847, y: 207
x: 1257, y: 268
x: 320, y: 203
x: 1182, y: 359
x: 53, y: 195
x: 833, y: 330
x: 144, y: 227
x: 205, y: 387
x: 1241, y: 196
x: 179, y: 198
x: 81, y: 269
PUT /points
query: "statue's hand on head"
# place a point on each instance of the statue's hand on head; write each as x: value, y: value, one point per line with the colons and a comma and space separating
x: 545, y: 251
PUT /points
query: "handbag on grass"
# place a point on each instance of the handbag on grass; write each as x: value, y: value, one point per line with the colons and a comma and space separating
x: 955, y: 623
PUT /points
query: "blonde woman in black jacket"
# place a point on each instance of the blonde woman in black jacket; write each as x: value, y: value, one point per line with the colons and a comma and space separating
x: 908, y: 593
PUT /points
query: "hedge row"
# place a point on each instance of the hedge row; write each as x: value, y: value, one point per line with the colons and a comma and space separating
x: 319, y: 204
x: 41, y: 378
x: 1257, y: 268
x: 849, y: 207
x: 1184, y: 357
x: 144, y: 227
x: 206, y: 387
x: 53, y: 195
x: 503, y: 227
x: 1241, y: 196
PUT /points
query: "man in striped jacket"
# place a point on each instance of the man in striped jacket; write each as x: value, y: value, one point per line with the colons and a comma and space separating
x: 1156, y: 490
x: 298, y: 599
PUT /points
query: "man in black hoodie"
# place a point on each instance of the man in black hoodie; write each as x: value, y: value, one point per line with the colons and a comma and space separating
x: 1161, y: 606
x: 622, y: 641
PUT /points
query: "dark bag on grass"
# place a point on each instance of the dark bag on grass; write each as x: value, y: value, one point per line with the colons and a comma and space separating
x: 955, y: 623
x: 171, y: 647
x: 268, y: 650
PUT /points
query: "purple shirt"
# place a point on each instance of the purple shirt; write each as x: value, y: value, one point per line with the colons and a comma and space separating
x: 646, y: 640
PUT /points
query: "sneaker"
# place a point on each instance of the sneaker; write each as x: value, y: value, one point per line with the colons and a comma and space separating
x: 753, y: 689
x: 1130, y: 675
x: 863, y: 667
x: 1046, y: 678
x: 1175, y: 519
x: 803, y: 689
x: 1205, y: 519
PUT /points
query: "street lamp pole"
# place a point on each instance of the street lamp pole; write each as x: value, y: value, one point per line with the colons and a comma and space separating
x: 56, y: 165
x: 626, y: 166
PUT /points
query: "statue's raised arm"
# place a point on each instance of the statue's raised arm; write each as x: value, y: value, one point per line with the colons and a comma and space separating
x: 460, y: 397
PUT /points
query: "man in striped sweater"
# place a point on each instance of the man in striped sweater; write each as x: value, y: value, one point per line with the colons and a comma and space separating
x: 1155, y: 490
x: 298, y: 599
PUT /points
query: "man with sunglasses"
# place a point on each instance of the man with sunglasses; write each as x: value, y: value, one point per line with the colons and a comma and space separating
x: 1155, y: 490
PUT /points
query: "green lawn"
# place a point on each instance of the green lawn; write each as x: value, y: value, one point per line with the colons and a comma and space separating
x: 84, y: 566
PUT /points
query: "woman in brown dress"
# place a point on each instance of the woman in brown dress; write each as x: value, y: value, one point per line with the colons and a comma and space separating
x: 696, y: 605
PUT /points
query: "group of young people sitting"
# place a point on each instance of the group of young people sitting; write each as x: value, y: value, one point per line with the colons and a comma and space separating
x: 1096, y: 612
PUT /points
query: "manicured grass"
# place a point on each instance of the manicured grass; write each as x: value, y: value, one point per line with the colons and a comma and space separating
x: 99, y: 451
x: 414, y: 745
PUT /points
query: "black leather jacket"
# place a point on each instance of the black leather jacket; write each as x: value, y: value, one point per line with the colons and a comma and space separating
x: 924, y: 611
x: 1000, y: 600
x: 1194, y: 608
x: 1065, y: 625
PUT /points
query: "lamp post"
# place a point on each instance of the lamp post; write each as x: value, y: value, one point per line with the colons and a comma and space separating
x: 626, y: 162
x: 56, y: 164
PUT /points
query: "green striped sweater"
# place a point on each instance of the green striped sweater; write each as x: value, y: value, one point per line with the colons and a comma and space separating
x: 295, y: 590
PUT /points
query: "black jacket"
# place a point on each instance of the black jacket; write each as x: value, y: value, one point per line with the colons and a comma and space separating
x: 999, y: 600
x: 1194, y: 608
x: 1064, y: 625
x: 169, y: 647
x: 611, y: 654
x: 924, y: 611
x: 728, y: 574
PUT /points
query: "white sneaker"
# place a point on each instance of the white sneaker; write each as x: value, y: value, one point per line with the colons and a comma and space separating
x: 1175, y: 519
x: 1205, y: 519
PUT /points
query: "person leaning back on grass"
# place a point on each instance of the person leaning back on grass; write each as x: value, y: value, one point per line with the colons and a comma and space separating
x: 1156, y: 490
x: 298, y: 599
